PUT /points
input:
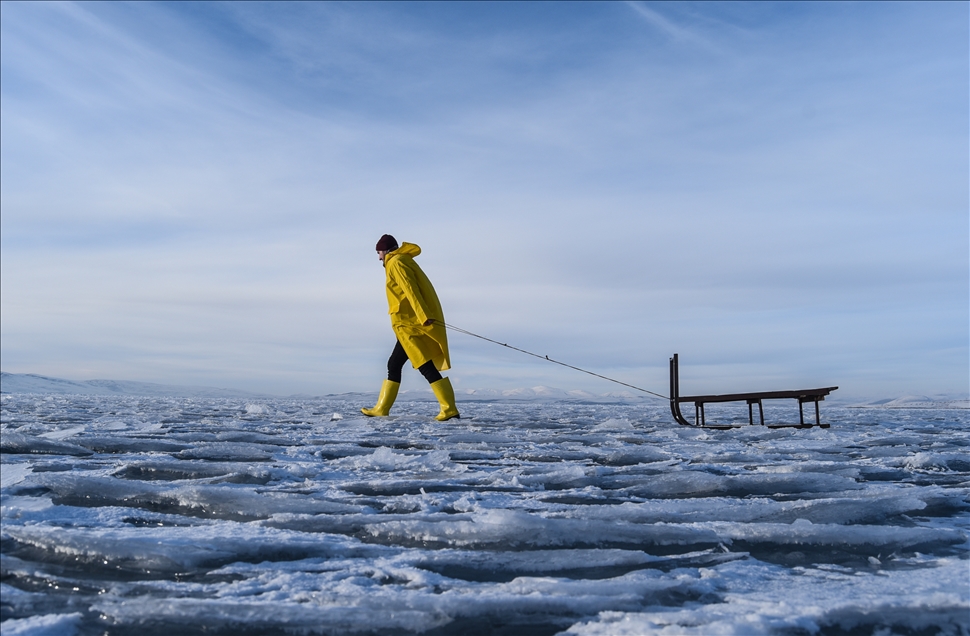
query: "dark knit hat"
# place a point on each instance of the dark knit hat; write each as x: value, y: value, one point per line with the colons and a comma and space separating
x: 387, y: 243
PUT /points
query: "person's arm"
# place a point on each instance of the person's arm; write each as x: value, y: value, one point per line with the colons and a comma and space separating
x: 402, y: 276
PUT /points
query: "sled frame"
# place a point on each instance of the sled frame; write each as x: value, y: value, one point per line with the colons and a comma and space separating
x: 803, y: 396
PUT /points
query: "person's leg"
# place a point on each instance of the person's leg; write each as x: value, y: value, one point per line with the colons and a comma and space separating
x: 430, y: 373
x: 446, y: 398
x: 385, y: 400
x: 395, y: 364
x: 442, y: 390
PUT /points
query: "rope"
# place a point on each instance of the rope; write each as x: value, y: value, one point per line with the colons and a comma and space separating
x: 548, y: 359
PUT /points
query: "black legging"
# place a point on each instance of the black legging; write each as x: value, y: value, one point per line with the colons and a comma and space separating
x: 395, y: 365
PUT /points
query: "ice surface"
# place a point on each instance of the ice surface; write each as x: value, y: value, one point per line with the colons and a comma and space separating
x: 159, y: 515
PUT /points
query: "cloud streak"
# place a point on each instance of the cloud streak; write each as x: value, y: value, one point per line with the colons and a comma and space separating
x: 672, y: 30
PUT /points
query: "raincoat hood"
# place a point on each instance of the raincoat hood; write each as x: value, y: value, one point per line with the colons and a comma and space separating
x: 406, y: 249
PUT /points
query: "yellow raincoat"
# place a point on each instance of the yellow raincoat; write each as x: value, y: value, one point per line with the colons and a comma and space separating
x: 411, y: 301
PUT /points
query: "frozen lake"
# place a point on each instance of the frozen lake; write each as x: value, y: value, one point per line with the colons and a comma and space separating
x: 148, y: 516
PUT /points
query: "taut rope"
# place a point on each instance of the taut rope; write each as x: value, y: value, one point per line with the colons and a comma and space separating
x: 548, y: 359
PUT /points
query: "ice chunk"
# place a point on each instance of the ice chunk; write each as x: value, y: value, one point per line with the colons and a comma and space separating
x: 615, y: 424
x: 386, y: 460
x: 178, y: 549
x: 229, y: 451
x: 19, y: 443
x: 937, y: 461
x: 63, y: 433
x: 516, y: 529
x: 804, y: 532
x: 931, y: 600
x: 14, y: 474
x: 200, y: 500
x: 44, y: 625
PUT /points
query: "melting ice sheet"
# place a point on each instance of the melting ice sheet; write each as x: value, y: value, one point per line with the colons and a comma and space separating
x: 188, y: 516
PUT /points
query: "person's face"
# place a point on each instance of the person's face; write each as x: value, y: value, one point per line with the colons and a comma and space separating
x: 381, y: 254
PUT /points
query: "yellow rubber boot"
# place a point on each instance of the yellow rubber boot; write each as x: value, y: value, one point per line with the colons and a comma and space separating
x: 446, y: 398
x: 384, y: 401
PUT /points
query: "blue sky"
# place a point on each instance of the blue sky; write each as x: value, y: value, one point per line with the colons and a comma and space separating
x: 191, y: 193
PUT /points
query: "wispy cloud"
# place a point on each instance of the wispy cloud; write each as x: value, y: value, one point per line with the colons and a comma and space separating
x: 672, y: 30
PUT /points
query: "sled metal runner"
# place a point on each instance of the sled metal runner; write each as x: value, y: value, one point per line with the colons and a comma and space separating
x: 802, y: 396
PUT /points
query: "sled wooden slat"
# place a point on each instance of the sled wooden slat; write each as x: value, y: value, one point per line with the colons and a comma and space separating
x: 803, y: 396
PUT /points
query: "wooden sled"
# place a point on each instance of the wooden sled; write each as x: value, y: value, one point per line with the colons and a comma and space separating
x: 802, y: 395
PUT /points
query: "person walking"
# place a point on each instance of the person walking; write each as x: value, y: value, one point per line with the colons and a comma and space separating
x: 419, y: 324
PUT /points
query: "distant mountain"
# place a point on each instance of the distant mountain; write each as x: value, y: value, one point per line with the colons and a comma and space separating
x: 44, y: 385
x: 918, y: 402
x: 530, y: 394
x: 41, y: 384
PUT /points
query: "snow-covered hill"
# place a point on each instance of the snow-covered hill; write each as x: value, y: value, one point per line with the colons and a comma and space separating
x: 44, y: 385
x: 918, y: 402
